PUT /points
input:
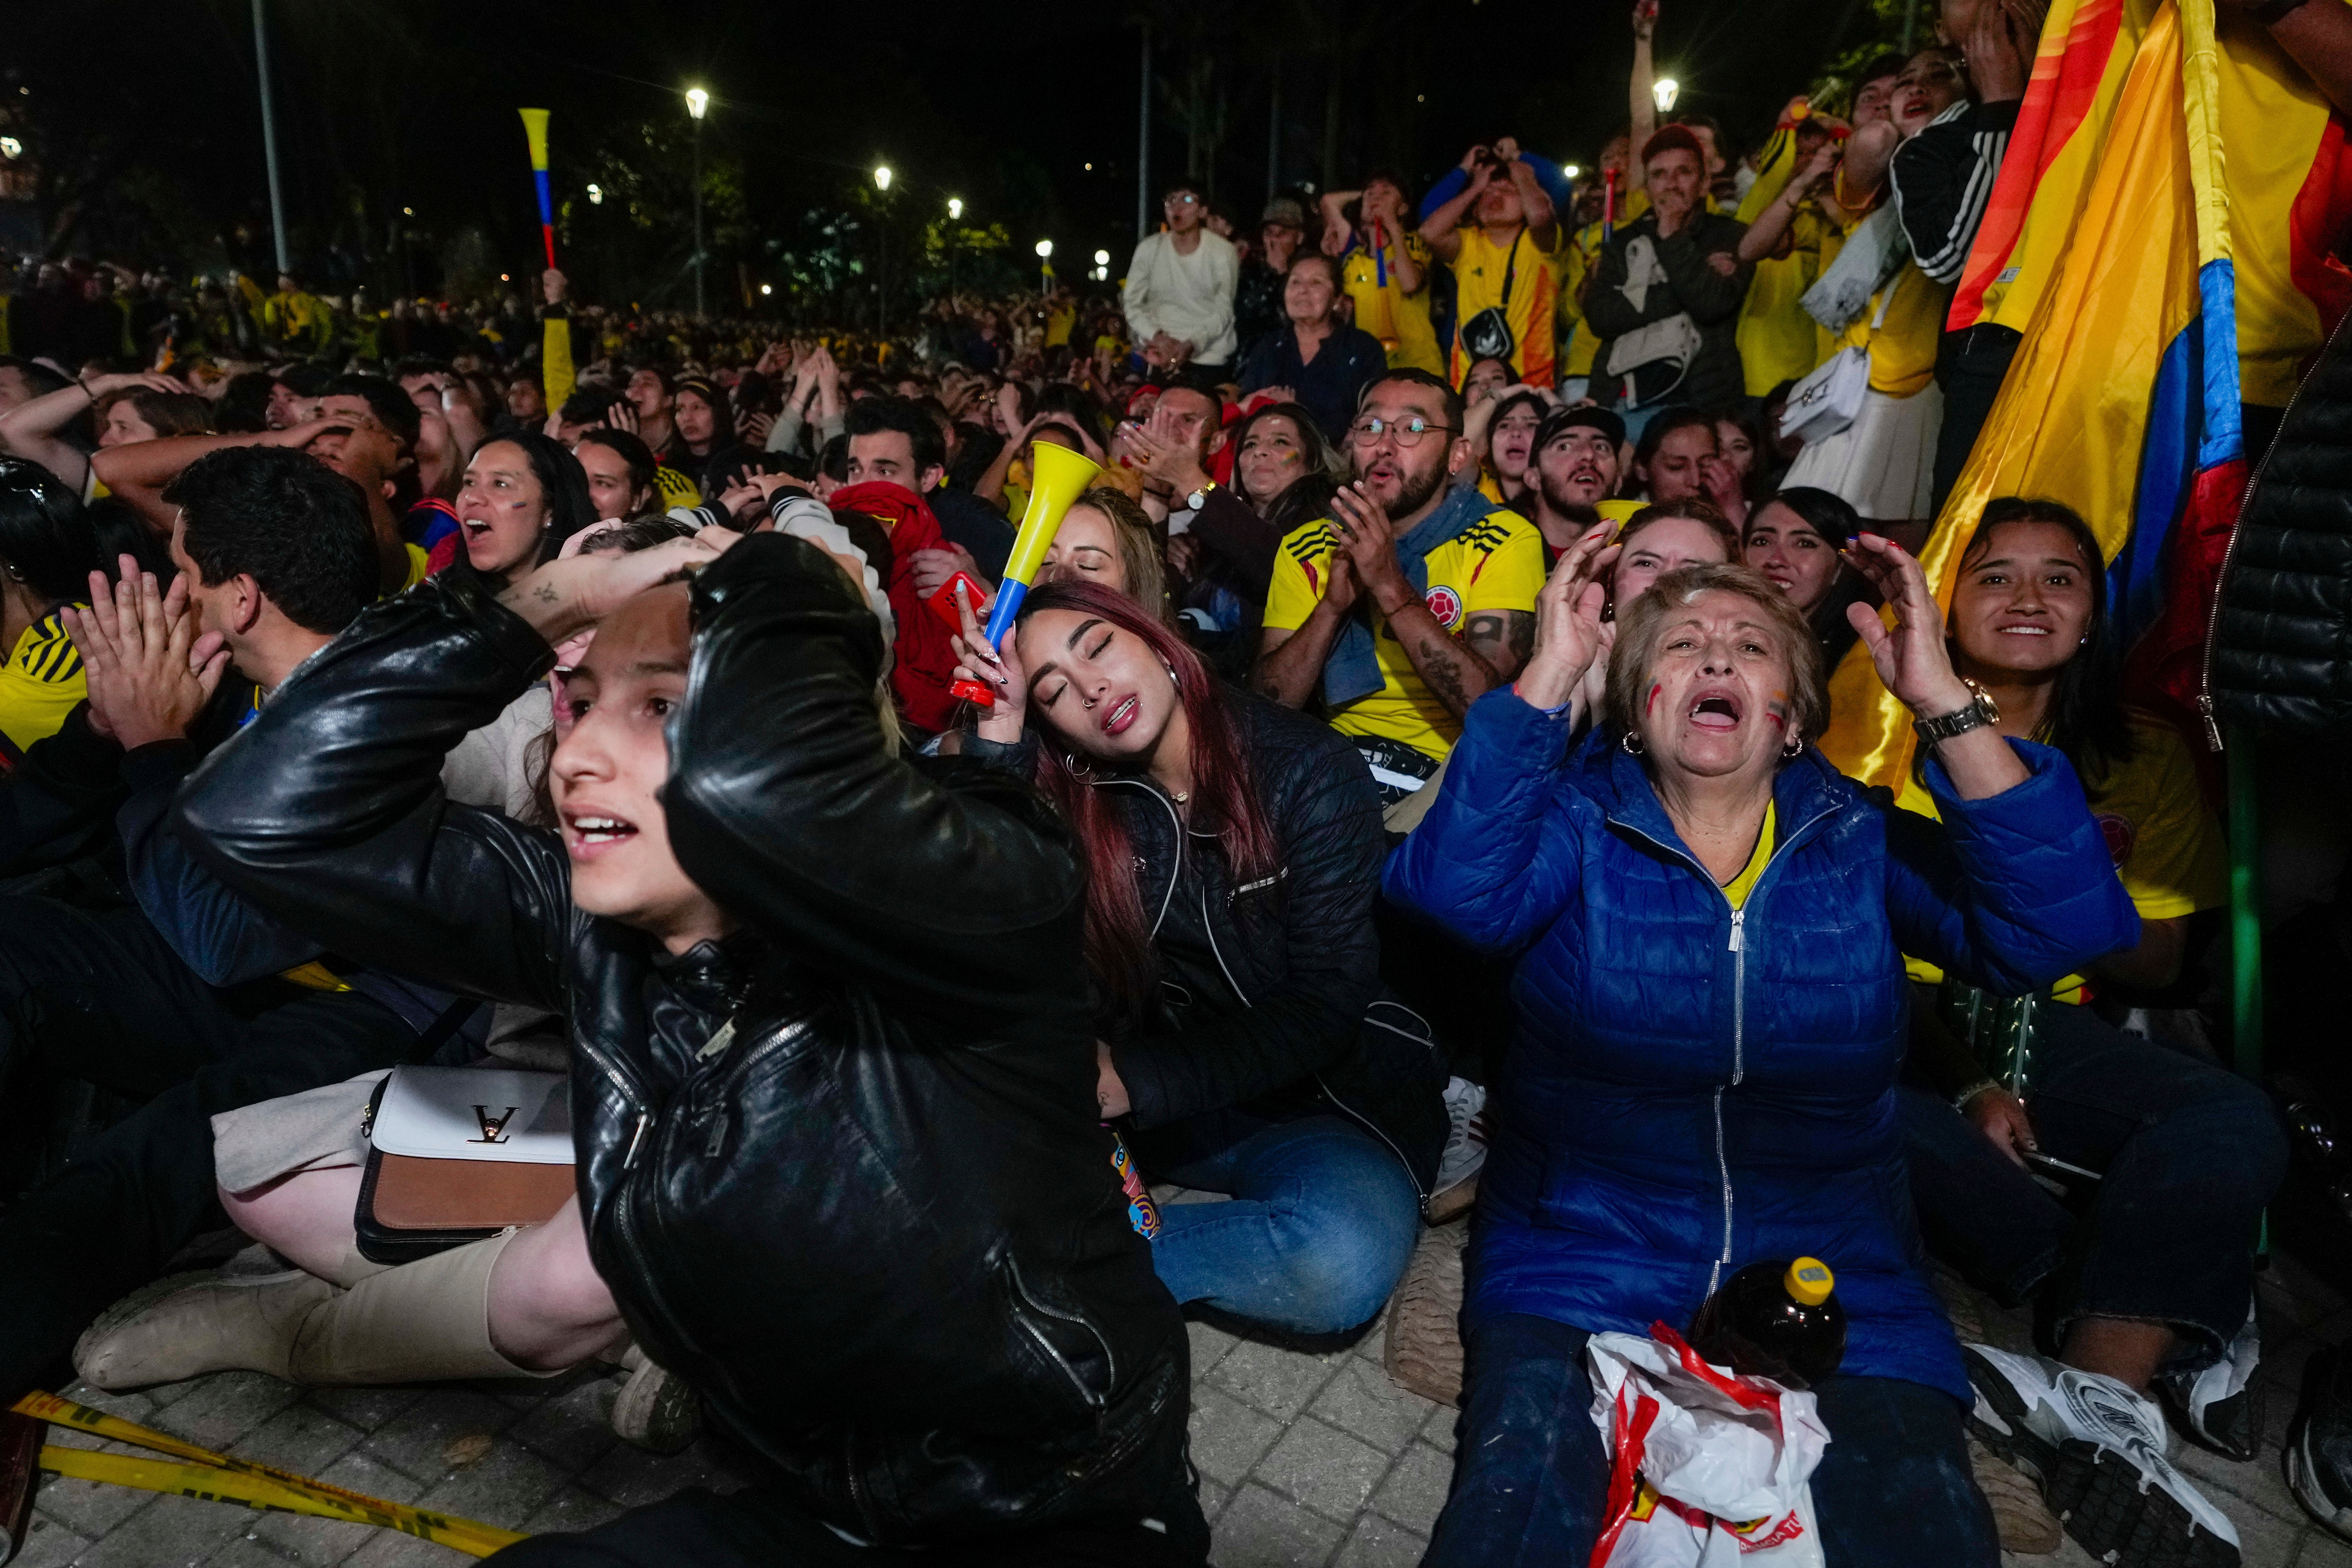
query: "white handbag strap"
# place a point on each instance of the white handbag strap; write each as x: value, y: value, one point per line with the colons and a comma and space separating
x: 1885, y: 301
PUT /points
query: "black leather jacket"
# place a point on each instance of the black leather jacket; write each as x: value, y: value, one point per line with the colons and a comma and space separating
x: 2280, y: 655
x: 876, y: 1224
x: 1271, y: 992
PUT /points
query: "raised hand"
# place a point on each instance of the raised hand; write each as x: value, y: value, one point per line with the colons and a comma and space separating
x: 150, y: 674
x: 999, y: 669
x: 569, y: 593
x: 1911, y: 659
x: 623, y: 415
x: 1570, y: 633
x: 1365, y: 540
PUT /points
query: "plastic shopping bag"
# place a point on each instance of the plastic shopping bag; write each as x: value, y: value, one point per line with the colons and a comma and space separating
x: 1709, y: 1468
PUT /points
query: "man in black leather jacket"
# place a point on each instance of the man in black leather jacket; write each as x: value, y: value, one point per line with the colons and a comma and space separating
x: 840, y: 1165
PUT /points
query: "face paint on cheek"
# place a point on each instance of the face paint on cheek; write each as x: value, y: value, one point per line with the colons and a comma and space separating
x: 1777, y: 709
x: 1652, y: 705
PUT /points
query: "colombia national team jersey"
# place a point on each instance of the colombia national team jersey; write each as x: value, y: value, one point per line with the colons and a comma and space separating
x: 1496, y: 563
x: 40, y: 686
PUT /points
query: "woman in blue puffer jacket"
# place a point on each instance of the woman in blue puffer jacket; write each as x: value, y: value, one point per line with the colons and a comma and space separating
x: 1711, y: 921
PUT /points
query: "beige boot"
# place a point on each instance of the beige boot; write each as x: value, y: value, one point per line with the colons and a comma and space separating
x: 427, y: 1322
x: 193, y: 1324
x: 422, y: 1322
x: 1425, y: 1334
x: 2022, y: 1519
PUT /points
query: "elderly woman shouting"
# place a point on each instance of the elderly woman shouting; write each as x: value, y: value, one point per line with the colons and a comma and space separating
x: 1710, y: 1016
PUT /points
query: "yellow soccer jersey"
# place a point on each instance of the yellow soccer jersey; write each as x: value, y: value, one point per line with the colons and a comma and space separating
x: 40, y: 686
x: 1496, y: 564
x: 2166, y: 847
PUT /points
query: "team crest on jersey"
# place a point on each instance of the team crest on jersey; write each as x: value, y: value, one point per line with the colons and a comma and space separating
x: 2120, y: 835
x: 1445, y: 605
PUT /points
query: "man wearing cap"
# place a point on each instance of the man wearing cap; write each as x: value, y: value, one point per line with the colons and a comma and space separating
x: 1257, y: 297
x: 1579, y: 456
x: 1179, y: 296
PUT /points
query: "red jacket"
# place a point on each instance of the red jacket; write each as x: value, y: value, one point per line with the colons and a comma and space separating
x: 923, y: 661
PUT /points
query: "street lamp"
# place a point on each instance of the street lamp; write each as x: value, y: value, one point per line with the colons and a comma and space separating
x: 1045, y: 262
x: 955, y: 214
x: 596, y: 196
x: 1664, y: 90
x: 882, y: 254
x: 955, y: 207
x: 1102, y: 266
x: 697, y: 103
x: 1573, y: 170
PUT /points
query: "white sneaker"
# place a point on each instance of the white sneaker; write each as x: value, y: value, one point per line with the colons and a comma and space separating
x: 2097, y: 1448
x: 2220, y: 1406
x: 1466, y: 1151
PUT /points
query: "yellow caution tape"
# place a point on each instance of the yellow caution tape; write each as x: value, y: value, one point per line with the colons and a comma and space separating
x: 218, y: 1478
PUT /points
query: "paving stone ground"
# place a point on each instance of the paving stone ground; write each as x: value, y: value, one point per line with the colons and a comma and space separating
x: 1306, y: 1461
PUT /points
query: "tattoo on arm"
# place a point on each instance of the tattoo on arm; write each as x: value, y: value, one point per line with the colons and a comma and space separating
x: 1521, y: 628
x: 1443, y: 675
x: 547, y: 595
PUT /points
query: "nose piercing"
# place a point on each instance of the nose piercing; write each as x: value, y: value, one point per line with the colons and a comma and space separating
x: 1088, y: 701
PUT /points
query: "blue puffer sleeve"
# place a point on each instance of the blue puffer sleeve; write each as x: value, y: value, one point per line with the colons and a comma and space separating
x: 1495, y: 860
x: 2013, y: 891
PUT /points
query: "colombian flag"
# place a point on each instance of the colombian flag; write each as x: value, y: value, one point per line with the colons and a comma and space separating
x: 2150, y: 278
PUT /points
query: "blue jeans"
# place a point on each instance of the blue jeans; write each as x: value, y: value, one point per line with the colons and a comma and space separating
x: 2189, y: 1155
x: 1531, y: 1473
x: 1322, y: 1222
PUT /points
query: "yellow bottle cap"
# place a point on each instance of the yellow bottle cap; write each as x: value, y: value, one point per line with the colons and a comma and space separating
x: 1809, y: 1281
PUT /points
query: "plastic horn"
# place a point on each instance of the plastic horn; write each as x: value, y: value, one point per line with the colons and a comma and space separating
x: 1058, y: 476
x: 534, y: 126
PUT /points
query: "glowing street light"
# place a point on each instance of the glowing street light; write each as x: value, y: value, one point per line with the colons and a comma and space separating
x: 1045, y: 263
x: 1102, y: 258
x: 1665, y: 90
x: 1045, y: 250
x: 697, y: 103
x: 882, y: 178
x: 955, y: 207
x: 596, y: 196
x: 1573, y: 170
x: 767, y: 288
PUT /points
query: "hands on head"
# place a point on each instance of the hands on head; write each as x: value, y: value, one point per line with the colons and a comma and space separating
x: 999, y: 669
x: 150, y: 673
x: 571, y: 592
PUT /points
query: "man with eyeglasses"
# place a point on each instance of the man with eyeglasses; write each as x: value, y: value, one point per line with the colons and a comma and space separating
x: 1180, y: 293
x: 1412, y: 600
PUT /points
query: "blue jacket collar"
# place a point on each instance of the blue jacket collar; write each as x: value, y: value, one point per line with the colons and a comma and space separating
x: 1806, y: 788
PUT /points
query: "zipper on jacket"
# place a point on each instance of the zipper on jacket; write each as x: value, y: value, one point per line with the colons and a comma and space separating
x: 2230, y: 555
x: 1737, y: 947
x: 1739, y: 991
x: 1723, y: 1169
x: 1175, y: 872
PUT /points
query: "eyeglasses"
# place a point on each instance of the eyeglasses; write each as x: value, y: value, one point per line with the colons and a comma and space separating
x: 1367, y: 431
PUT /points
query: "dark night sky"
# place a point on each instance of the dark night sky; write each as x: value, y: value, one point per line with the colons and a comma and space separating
x: 412, y: 101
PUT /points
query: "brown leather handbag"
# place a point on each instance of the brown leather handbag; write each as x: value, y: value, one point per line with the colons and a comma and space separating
x: 412, y: 1206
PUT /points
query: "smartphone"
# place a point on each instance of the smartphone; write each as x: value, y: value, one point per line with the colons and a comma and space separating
x: 2050, y: 1162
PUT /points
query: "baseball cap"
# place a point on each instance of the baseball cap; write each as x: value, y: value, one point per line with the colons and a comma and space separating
x: 1589, y: 415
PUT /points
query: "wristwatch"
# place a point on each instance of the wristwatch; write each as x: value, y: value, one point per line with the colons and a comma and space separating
x: 1935, y: 731
x: 1194, y: 502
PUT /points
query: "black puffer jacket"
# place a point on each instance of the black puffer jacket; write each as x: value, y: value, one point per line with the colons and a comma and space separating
x: 1271, y: 992
x: 876, y: 1223
x: 2280, y: 658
